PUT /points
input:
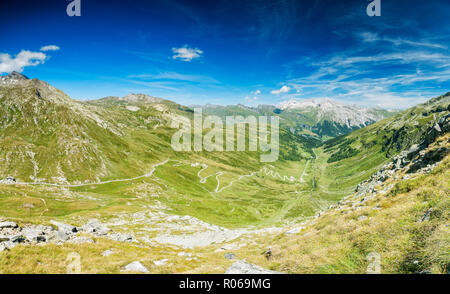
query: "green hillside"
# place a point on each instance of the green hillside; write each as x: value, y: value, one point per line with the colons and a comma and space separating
x: 112, y: 146
x: 111, y: 160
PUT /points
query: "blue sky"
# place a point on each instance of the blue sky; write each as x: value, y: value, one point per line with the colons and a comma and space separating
x: 229, y: 52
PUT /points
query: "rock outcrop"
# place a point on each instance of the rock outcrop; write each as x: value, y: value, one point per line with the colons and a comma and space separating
x: 12, y: 234
x: 416, y: 159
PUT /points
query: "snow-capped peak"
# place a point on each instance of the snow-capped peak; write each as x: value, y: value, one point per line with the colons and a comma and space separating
x: 334, y: 111
x: 320, y: 103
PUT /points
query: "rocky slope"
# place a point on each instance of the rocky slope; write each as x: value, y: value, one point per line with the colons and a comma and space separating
x: 416, y: 159
x: 336, y: 112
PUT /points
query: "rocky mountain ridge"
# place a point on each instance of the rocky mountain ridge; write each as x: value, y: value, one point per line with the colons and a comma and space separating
x: 414, y: 160
x: 337, y: 112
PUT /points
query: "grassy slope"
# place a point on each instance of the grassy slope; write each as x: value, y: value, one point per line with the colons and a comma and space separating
x: 62, y: 139
x: 337, y: 242
x: 143, y: 141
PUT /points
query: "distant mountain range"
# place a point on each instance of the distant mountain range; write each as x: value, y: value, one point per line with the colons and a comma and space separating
x: 320, y: 118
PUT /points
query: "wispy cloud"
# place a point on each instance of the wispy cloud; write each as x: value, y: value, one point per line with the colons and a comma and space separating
x: 370, y: 37
x: 186, y: 53
x: 391, y: 79
x: 175, y: 76
x: 401, y: 57
x: 50, y: 48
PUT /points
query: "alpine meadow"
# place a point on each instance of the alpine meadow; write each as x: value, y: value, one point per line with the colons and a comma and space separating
x: 295, y: 137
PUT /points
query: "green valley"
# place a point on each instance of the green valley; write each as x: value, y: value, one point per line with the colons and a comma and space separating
x: 110, y: 160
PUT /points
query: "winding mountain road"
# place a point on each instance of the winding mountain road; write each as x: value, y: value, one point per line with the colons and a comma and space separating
x: 304, y: 171
x: 90, y: 184
x: 268, y: 172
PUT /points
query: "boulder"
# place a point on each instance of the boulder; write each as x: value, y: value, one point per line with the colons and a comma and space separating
x: 136, y: 266
x: 107, y: 253
x: 32, y: 234
x: 67, y: 229
x: 58, y: 236
x: 413, y: 151
x: 121, y: 237
x: 243, y: 267
x: 362, y: 217
x: 229, y: 256
x: 4, y: 238
x: 17, y: 239
x: 161, y: 262
x: 8, y: 180
x: 96, y: 228
x: 4, y: 225
x: 437, y: 128
x: 81, y: 240
x: 426, y: 216
x: 7, y: 245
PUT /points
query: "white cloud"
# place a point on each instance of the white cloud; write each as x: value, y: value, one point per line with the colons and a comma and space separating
x: 174, y: 76
x: 186, y: 54
x: 283, y: 89
x: 50, y: 48
x: 408, y: 57
x: 21, y: 60
x: 355, y: 78
x: 395, y: 78
x: 250, y: 99
x: 253, y: 97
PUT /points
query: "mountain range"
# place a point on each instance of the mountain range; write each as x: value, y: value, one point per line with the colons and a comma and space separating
x: 109, y: 162
x: 320, y: 118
